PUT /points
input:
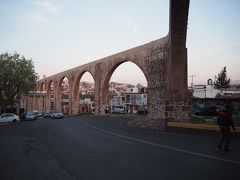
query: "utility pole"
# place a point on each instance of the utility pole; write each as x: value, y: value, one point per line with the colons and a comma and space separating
x: 192, y: 76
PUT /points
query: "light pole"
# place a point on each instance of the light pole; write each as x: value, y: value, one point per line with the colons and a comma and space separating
x: 210, y: 82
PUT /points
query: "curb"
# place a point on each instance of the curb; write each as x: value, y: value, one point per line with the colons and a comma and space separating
x: 198, y: 126
x: 10, y: 123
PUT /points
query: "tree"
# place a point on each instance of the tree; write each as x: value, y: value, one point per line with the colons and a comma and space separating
x: 17, y: 77
x: 222, y: 82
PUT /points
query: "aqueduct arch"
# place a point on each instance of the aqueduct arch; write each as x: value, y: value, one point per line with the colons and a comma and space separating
x: 77, y: 82
x: 76, y: 97
x: 42, y: 87
x: 111, y: 68
x: 164, y: 63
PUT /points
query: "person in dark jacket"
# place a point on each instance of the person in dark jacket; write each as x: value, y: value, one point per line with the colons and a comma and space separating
x: 225, y: 122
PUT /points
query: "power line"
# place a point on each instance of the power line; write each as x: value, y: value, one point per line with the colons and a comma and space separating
x: 219, y: 53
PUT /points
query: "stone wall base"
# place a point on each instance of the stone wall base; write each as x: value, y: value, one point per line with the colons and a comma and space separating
x: 149, y: 123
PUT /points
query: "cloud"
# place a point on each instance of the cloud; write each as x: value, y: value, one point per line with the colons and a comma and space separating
x: 41, y: 10
x: 48, y: 6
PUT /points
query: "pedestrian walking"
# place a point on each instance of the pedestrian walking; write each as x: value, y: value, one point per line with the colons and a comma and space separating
x: 225, y: 122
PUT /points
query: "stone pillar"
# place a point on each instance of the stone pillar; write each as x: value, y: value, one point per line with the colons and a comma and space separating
x: 75, y: 106
x: 157, y: 76
x: 97, y: 97
x: 58, y: 99
x: 42, y: 104
x: 98, y: 89
x: 177, y: 43
x: 34, y: 103
x: 45, y: 103
x: 70, y: 96
x: 103, y: 95
x: 30, y: 104
x: 39, y: 103
x: 178, y: 104
x: 49, y: 102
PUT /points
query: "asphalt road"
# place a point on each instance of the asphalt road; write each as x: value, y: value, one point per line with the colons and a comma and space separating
x: 102, y: 148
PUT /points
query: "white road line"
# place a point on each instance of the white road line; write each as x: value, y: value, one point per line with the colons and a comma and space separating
x: 161, y: 145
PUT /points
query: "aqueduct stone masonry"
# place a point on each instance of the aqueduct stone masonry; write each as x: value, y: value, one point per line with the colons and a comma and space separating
x: 163, y: 62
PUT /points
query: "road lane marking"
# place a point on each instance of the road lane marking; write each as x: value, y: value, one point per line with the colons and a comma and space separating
x: 160, y: 145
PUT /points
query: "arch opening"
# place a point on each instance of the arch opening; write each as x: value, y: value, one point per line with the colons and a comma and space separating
x: 84, y: 93
x: 51, y: 95
x: 43, y: 87
x: 64, y: 95
x: 126, y: 89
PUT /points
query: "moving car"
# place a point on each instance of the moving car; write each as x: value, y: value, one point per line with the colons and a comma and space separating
x: 31, y: 116
x: 9, y: 117
x: 56, y: 114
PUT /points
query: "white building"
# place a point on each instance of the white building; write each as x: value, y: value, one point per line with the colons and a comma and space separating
x: 131, y: 99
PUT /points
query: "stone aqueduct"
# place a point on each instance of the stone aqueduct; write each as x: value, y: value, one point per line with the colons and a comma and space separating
x: 163, y: 62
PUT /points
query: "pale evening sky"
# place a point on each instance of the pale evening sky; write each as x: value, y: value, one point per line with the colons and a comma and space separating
x: 62, y: 34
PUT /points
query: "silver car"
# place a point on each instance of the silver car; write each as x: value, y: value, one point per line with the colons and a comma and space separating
x: 9, y: 117
x: 31, y: 116
x: 56, y: 114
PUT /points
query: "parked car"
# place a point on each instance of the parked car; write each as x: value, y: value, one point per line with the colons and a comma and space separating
x: 9, y: 117
x: 37, y: 113
x: 206, y: 111
x: 31, y: 116
x: 118, y: 110
x: 142, y: 111
x: 56, y: 114
x: 46, y: 115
